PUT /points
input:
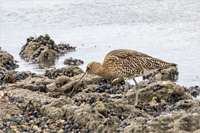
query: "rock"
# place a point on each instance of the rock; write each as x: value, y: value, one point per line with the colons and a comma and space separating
x: 31, y: 122
x: 43, y: 50
x: 34, y: 84
x: 55, y: 108
x: 34, y: 99
x: 35, y: 127
x: 61, y: 131
x: 170, y: 73
x: 7, y: 61
x: 89, y: 80
x: 71, y: 61
x: 175, y: 122
x: 9, y: 110
x: 101, y: 108
x: 85, y: 116
x: 12, y: 76
x: 195, y: 91
x: 65, y: 71
x: 165, y: 90
x: 191, y: 106
x: 178, y: 122
x: 109, y: 125
x: 61, y: 80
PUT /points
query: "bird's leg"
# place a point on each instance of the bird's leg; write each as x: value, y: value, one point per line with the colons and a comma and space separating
x: 125, y: 91
x: 136, y: 91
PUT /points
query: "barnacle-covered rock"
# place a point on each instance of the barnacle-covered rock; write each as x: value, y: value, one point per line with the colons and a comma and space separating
x: 71, y: 61
x: 7, y: 61
x: 43, y: 49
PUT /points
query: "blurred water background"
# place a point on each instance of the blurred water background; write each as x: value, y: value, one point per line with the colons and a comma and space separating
x: 165, y: 29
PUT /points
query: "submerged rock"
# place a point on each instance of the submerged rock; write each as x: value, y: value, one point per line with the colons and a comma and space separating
x: 7, y: 61
x: 43, y: 49
x: 71, y: 61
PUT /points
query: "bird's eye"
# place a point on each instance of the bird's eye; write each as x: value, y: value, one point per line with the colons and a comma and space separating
x: 88, y: 68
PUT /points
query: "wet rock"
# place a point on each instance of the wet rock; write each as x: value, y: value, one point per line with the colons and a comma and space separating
x: 43, y: 50
x: 175, y: 123
x: 109, y: 125
x: 136, y: 124
x: 191, y: 106
x: 65, y: 47
x: 7, y: 61
x: 195, y: 91
x: 9, y: 110
x: 163, y: 90
x: 55, y: 108
x: 88, y: 81
x: 85, y: 116
x: 71, y: 61
x: 34, y: 84
x: 12, y: 76
x: 170, y: 73
x: 65, y: 71
x: 34, y: 99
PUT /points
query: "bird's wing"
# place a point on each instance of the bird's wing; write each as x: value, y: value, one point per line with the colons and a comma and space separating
x: 123, y: 63
x: 123, y: 53
x: 131, y: 63
x: 153, y: 63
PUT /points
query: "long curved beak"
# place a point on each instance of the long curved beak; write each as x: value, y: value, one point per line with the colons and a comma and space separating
x: 76, y: 86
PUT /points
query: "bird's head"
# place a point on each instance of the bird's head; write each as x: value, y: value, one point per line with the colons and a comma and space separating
x: 92, y: 68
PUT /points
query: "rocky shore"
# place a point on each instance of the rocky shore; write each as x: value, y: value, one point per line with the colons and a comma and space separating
x: 37, y: 103
x: 41, y: 103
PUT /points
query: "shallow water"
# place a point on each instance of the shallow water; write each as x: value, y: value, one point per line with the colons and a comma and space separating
x: 168, y: 30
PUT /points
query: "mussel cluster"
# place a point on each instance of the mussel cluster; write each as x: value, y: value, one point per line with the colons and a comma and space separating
x: 7, y: 61
x: 12, y: 76
x: 43, y: 47
x: 65, y: 48
x: 107, y: 88
x: 71, y: 61
x: 66, y: 71
x: 33, y: 121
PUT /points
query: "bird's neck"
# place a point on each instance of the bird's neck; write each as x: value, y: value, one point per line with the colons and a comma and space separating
x: 102, y: 72
x: 99, y: 70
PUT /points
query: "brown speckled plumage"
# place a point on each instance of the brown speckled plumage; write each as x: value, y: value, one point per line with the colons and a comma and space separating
x: 126, y: 64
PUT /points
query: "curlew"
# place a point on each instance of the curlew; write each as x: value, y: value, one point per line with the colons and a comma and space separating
x: 126, y: 64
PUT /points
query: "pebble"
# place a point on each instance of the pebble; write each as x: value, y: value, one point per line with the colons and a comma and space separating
x: 24, y: 126
x: 61, y: 131
x: 31, y: 122
x: 6, y: 98
x: 13, y: 127
x: 35, y: 127
x: 62, y: 121
x: 1, y: 94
